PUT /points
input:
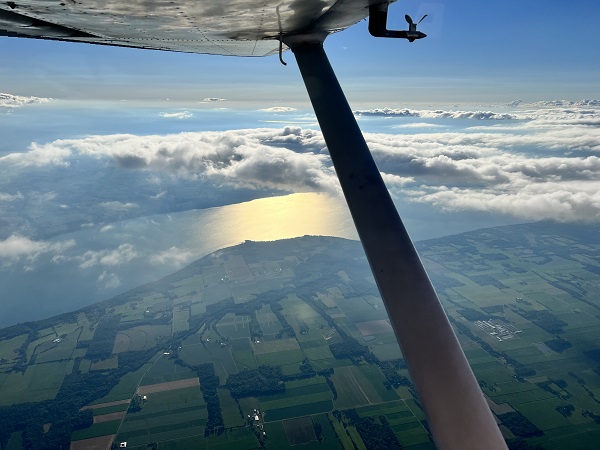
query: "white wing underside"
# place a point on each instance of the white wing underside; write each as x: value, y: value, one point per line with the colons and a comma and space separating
x: 226, y: 27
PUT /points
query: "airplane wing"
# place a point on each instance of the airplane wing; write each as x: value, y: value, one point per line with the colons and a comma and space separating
x: 219, y: 27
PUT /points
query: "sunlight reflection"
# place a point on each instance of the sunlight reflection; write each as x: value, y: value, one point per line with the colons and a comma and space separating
x: 270, y: 219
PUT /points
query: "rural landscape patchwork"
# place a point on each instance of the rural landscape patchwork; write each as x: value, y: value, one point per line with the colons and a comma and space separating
x: 287, y: 344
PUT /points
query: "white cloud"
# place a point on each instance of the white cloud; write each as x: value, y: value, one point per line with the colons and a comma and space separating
x: 4, y: 197
x: 173, y: 256
x: 435, y: 114
x: 108, y: 280
x: 418, y: 125
x: 546, y: 103
x: 118, y: 206
x: 16, y: 101
x: 531, y: 201
x: 528, y: 171
x: 158, y: 196
x: 213, y: 99
x: 16, y: 247
x: 544, y: 166
x: 278, y: 109
x: 39, y: 156
x: 42, y: 197
x: 250, y: 159
x: 106, y: 228
x: 392, y: 180
x: 116, y: 257
x: 177, y: 115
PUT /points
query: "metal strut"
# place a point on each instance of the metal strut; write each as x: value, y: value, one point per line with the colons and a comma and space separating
x: 457, y: 413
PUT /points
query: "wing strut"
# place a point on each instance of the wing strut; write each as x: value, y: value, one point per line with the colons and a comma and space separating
x: 457, y: 413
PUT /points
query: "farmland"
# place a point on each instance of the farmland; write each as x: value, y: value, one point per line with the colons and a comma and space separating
x: 285, y: 344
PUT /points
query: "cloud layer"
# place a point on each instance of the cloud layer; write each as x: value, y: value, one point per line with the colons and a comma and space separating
x: 176, y: 115
x: 435, y: 114
x: 545, y: 165
x: 243, y: 159
x: 16, y: 101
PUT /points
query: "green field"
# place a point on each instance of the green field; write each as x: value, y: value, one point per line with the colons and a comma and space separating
x: 299, y: 410
x: 96, y: 430
x: 347, y: 435
x: 280, y: 358
x: 39, y: 382
x: 266, y: 347
x: 358, y: 386
x: 126, y: 386
x: 194, y: 354
x: 245, y: 359
x: 110, y: 409
x: 232, y: 439
x: 165, y: 415
x: 232, y: 417
x: 140, y: 338
x: 278, y: 437
x: 9, y: 348
x: 541, y: 289
x: 165, y: 369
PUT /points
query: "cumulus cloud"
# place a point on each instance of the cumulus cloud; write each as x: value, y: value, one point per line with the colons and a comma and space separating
x: 39, y: 156
x: 545, y: 166
x: 530, y: 201
x: 16, y: 248
x: 116, y: 257
x: 16, y: 101
x: 173, y: 256
x: 249, y: 159
x: 277, y: 109
x: 418, y: 125
x: 5, y: 197
x: 176, y: 115
x: 546, y: 103
x: 158, y: 196
x: 118, y: 206
x: 392, y: 180
x: 436, y: 114
x: 108, y: 280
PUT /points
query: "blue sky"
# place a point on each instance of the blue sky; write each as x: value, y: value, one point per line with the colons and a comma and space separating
x: 476, y: 52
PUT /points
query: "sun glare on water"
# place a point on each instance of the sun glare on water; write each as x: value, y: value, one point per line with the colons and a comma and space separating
x: 274, y: 218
